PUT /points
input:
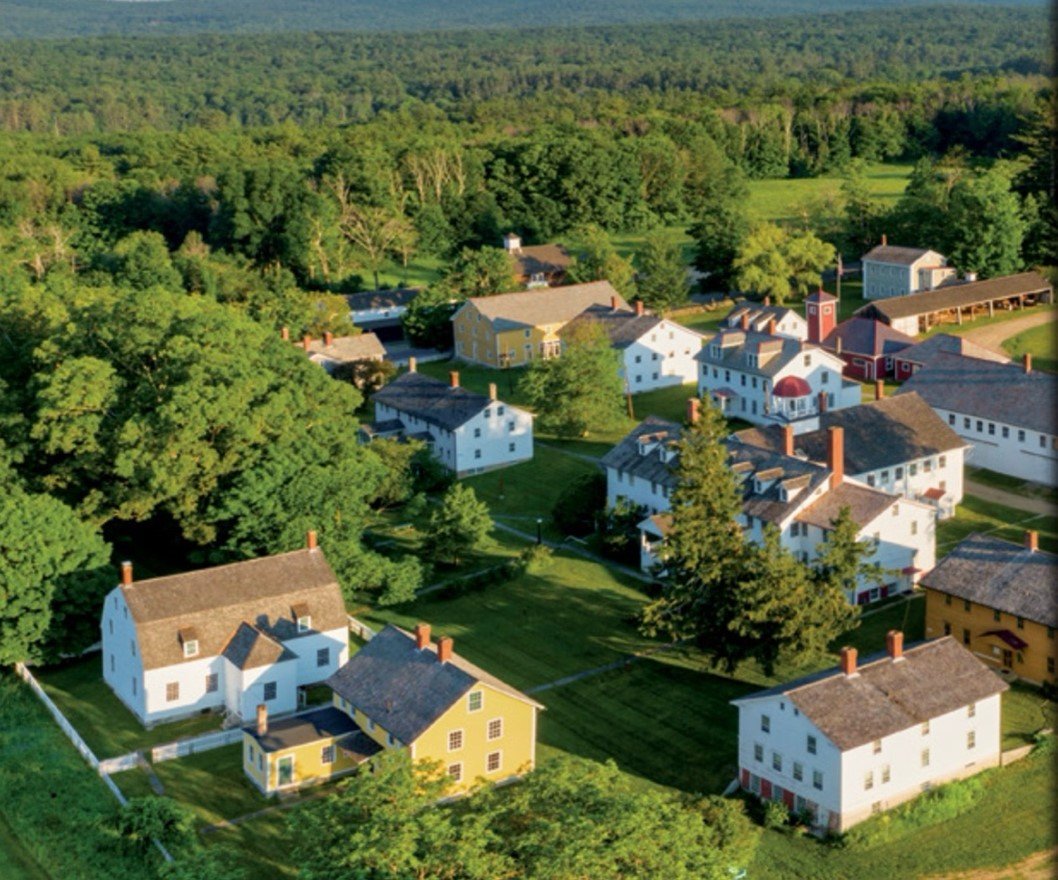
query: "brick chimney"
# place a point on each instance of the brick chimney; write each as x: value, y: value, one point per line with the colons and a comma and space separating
x: 284, y: 334
x: 879, y: 389
x: 836, y: 455
x: 613, y: 303
x: 492, y: 391
x: 453, y: 378
x: 444, y: 649
x: 894, y: 644
x: 310, y: 539
x: 771, y: 327
x: 306, y: 341
x: 744, y: 323
x: 787, y: 440
x: 885, y: 240
x: 262, y: 719
x: 639, y: 308
x: 422, y: 635
x: 848, y: 661
x: 412, y: 365
x: 1026, y: 362
x: 1032, y: 541
x: 693, y: 410
x: 126, y: 574
x: 328, y: 337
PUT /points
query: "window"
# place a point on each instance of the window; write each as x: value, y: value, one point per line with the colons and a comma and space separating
x: 323, y: 656
x: 798, y: 771
x: 943, y: 461
x: 980, y: 426
x: 912, y: 469
x: 172, y: 691
x: 966, y: 605
x: 1043, y: 440
x: 477, y: 453
x: 391, y: 740
x: 510, y: 447
x: 1021, y: 436
x: 270, y: 690
x: 947, y: 628
x: 765, y: 723
x: 249, y: 752
x: 304, y: 624
x: 134, y: 687
x: 132, y: 646
x: 495, y: 728
x: 500, y: 410
x: 868, y: 780
x: 925, y: 757
x: 899, y: 473
x: 870, y: 482
x: 971, y: 739
x: 455, y: 740
x: 639, y: 358
x: 997, y: 616
x: 885, y: 774
x: 811, y: 745
x: 925, y: 728
x: 991, y: 429
x: 947, y: 599
x: 510, y: 425
x: 327, y: 755
x: 951, y: 418
x: 825, y: 377
x: 966, y: 424
x: 455, y: 771
x: 212, y: 683
x: 493, y: 762
x: 111, y: 662
x: 477, y: 433
x: 776, y: 761
x: 817, y: 779
x: 1050, y: 666
x: 1006, y: 432
x: 927, y: 466
x: 971, y: 710
x: 808, y: 360
x: 877, y: 747
x: 111, y: 623
x: 260, y: 760
x: 885, y: 476
x: 1050, y: 632
x: 1021, y: 623
x: 966, y: 637
x: 758, y: 752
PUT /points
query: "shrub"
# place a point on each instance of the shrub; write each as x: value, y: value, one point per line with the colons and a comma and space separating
x: 143, y: 819
x: 776, y: 815
x: 939, y: 805
x: 536, y: 558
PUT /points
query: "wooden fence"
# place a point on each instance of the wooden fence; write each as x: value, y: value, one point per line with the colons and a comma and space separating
x: 360, y: 629
x: 122, y: 762
x: 181, y: 747
x: 71, y: 732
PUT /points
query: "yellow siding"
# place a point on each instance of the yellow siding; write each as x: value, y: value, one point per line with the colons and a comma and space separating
x: 517, y: 744
x: 476, y: 339
x: 948, y: 614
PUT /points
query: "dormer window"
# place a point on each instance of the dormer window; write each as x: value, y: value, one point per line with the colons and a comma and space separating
x: 302, y: 616
x: 189, y: 639
x: 304, y: 624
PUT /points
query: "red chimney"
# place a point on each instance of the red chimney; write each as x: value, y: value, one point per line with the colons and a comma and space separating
x: 848, y: 660
x: 422, y: 635
x: 787, y: 440
x: 328, y: 337
x: 613, y: 303
x: 693, y: 410
x: 492, y: 390
x: 262, y: 719
x: 771, y: 327
x: 306, y: 341
x: 1026, y: 362
x: 126, y: 574
x: 639, y: 308
x: 744, y: 323
x: 1032, y: 541
x: 453, y: 378
x: 894, y: 643
x: 444, y: 649
x: 284, y: 334
x: 836, y: 455
x: 879, y: 389
x: 412, y: 365
x: 885, y: 240
x: 822, y: 401
x: 310, y: 539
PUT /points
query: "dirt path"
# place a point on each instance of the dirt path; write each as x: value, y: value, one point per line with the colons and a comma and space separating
x: 994, y: 335
x: 1011, y: 499
x: 1038, y: 866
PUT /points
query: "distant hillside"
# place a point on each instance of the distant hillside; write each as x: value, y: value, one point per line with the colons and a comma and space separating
x: 57, y: 18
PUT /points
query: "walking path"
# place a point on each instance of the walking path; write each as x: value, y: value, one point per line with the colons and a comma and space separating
x: 1011, y: 499
x: 238, y: 820
x: 591, y: 459
x: 994, y: 335
x: 619, y: 663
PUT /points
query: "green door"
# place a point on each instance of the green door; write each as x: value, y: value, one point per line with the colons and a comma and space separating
x: 285, y: 770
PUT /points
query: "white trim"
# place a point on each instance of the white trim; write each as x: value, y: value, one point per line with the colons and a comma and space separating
x: 470, y: 694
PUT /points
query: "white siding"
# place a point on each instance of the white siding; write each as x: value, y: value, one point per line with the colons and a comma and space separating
x: 121, y: 654
x: 662, y: 357
x: 1007, y: 449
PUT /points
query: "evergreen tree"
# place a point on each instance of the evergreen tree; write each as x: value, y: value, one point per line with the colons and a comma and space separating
x: 662, y: 274
x: 458, y: 526
x: 427, y: 321
x: 841, y: 560
x: 579, y: 391
x: 718, y: 237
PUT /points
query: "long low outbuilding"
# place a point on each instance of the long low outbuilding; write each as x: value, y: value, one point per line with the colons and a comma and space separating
x: 955, y: 303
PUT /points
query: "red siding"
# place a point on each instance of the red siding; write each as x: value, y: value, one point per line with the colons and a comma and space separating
x: 788, y: 798
x: 765, y: 789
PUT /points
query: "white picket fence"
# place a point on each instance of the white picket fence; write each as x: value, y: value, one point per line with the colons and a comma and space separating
x: 360, y: 629
x: 71, y: 732
x: 181, y: 747
x: 127, y: 761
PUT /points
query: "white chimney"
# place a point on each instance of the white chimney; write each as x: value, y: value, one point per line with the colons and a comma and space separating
x: 512, y: 243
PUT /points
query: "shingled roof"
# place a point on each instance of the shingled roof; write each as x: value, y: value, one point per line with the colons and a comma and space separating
x: 381, y: 299
x: 904, y: 256
x: 215, y: 602
x: 628, y: 458
x: 433, y: 401
x: 736, y: 347
x: 864, y: 504
x: 622, y: 326
x: 1001, y: 575
x: 363, y: 346
x: 319, y: 724
x: 886, y: 695
x: 756, y: 314
x: 548, y: 305
x: 922, y: 353
x: 251, y: 647
x: 541, y: 259
x: 868, y: 337
x: 988, y: 390
x: 404, y: 689
x: 961, y: 295
x: 880, y: 434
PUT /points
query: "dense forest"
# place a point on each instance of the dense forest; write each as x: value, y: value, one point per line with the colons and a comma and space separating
x: 51, y: 18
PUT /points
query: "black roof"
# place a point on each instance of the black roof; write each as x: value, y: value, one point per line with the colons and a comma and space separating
x: 1001, y: 575
x: 958, y: 295
x: 319, y: 724
x: 622, y: 327
x: 432, y: 400
x: 381, y: 299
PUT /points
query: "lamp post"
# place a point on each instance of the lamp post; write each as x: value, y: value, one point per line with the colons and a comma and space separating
x: 539, y: 530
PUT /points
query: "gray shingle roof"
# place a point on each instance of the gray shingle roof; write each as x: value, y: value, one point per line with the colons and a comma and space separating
x: 251, y: 647
x: 1001, y: 575
x: 864, y: 503
x: 758, y: 315
x: 880, y: 434
x: 773, y: 352
x: 988, y: 390
x: 433, y: 401
x: 541, y: 259
x: 627, y: 458
x: 622, y: 326
x: 216, y: 601
x: 381, y: 299
x: 406, y: 690
x: 549, y: 305
x: 922, y: 352
x: 363, y: 346
x: 868, y: 337
x: 888, y: 696
x: 903, y: 256
x: 953, y: 295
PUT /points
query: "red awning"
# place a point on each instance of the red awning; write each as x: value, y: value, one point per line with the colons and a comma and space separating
x: 910, y: 569
x: 934, y: 494
x: 1006, y: 636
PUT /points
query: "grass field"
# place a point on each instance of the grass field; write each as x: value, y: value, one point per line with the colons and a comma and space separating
x: 1040, y: 342
x: 998, y: 318
x: 15, y: 862
x: 1012, y: 484
x: 976, y: 515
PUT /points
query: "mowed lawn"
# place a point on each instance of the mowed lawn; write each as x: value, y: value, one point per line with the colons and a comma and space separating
x: 977, y: 515
x: 1040, y: 342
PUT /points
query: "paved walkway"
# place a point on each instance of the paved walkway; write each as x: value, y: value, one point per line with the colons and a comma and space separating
x: 1041, y: 506
x: 994, y: 335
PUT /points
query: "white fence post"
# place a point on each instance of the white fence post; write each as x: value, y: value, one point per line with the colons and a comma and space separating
x: 360, y: 629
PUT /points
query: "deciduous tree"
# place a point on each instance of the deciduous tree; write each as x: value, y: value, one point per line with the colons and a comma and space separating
x: 662, y: 274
